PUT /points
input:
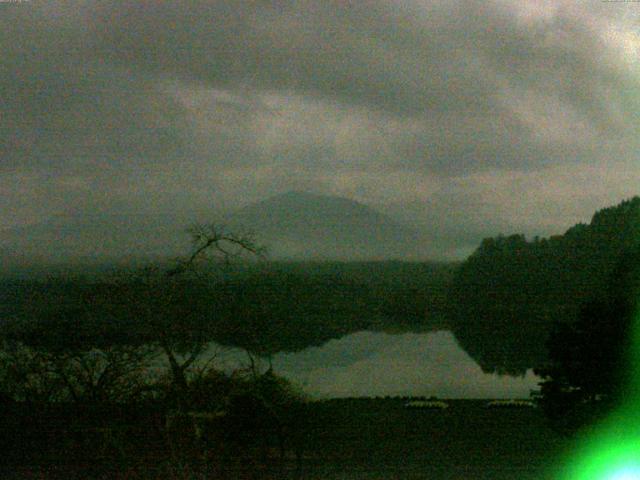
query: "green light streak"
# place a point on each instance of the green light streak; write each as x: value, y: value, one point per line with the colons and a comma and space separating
x: 612, y: 452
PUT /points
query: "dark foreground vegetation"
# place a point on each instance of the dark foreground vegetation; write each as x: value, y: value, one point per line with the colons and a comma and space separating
x: 112, y: 375
x: 241, y: 426
x: 591, y: 368
x: 336, y: 439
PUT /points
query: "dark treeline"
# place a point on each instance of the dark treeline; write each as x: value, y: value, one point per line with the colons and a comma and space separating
x: 592, y: 365
x: 263, y: 307
x: 293, y: 306
x: 506, y: 296
x: 500, y: 303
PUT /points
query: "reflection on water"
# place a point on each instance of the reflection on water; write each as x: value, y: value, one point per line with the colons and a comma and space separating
x: 379, y: 364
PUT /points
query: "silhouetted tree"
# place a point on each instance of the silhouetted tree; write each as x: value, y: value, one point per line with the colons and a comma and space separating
x: 36, y: 373
x: 90, y: 331
x: 175, y: 309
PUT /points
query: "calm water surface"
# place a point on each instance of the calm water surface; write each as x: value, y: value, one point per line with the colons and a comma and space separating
x: 379, y: 364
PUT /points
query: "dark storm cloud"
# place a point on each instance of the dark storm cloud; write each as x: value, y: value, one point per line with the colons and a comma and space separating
x: 156, y: 107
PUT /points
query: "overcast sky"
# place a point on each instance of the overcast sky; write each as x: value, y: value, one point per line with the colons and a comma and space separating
x: 467, y: 118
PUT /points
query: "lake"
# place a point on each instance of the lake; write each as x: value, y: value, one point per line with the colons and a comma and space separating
x: 379, y: 364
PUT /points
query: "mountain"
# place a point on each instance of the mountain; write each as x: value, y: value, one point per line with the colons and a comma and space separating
x: 295, y: 225
x: 300, y: 225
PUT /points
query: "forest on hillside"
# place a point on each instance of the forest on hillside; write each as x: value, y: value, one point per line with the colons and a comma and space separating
x: 507, y: 295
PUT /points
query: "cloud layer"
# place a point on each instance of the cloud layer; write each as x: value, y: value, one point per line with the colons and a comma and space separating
x: 470, y: 118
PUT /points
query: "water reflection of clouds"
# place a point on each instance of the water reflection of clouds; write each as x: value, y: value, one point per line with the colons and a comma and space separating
x: 370, y: 363
x: 378, y: 364
x: 340, y: 352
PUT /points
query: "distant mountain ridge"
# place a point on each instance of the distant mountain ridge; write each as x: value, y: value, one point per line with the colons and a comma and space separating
x: 295, y: 225
x: 301, y: 225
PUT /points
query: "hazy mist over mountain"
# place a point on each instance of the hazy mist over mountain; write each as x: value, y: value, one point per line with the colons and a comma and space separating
x: 295, y: 225
x: 94, y: 239
x: 302, y: 225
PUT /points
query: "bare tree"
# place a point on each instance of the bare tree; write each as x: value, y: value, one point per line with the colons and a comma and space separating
x: 215, y: 242
x: 176, y: 307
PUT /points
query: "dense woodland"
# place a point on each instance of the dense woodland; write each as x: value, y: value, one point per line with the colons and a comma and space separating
x: 507, y: 295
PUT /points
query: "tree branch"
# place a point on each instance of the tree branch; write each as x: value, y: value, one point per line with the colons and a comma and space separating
x: 208, y: 236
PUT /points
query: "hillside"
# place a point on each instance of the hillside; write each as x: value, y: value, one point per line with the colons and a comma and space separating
x: 506, y: 295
